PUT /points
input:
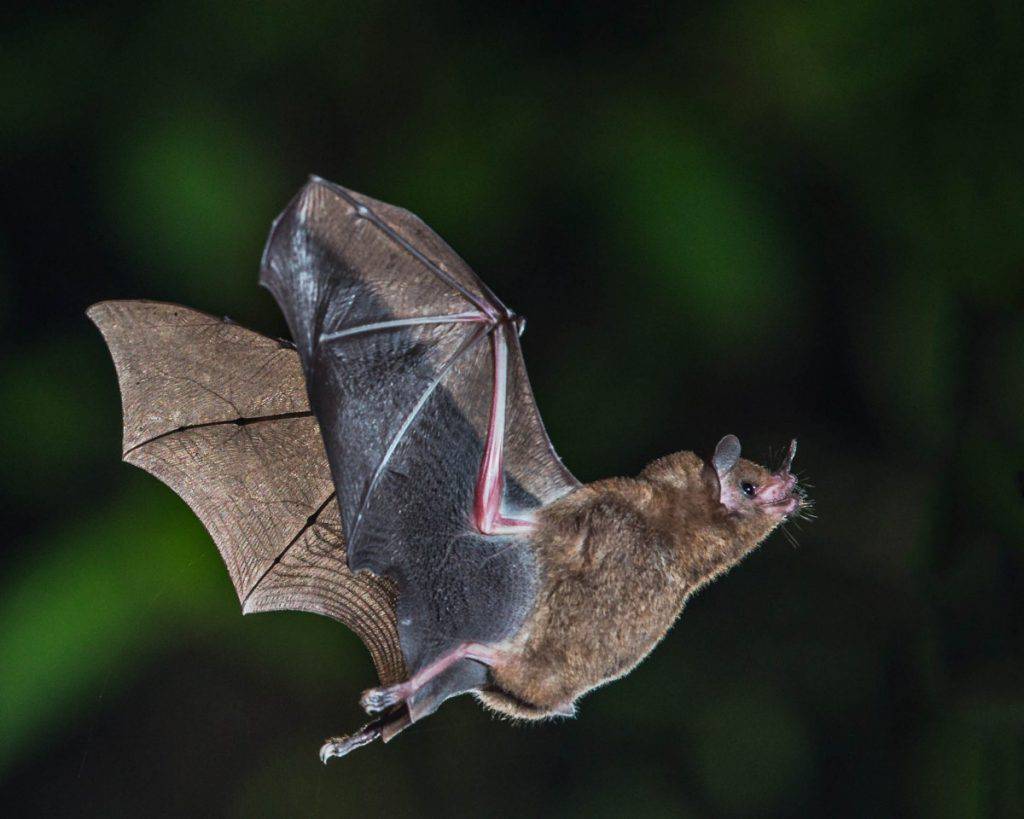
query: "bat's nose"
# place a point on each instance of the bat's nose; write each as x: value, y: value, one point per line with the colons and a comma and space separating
x: 776, y: 489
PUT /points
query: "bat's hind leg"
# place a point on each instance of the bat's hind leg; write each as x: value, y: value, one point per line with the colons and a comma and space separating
x: 375, y: 700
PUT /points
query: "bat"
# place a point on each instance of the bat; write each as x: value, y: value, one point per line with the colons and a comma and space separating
x: 388, y: 468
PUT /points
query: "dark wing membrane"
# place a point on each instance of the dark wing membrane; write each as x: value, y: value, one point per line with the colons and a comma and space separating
x: 396, y: 336
x: 220, y: 414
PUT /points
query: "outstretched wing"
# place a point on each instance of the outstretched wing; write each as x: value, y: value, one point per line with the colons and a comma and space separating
x: 415, y: 373
x: 219, y: 414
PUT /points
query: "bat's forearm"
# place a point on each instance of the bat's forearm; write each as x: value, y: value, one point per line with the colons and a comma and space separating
x: 490, y: 484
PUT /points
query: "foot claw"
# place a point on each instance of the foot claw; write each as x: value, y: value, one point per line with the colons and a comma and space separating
x: 375, y: 700
x: 340, y: 746
x: 333, y: 747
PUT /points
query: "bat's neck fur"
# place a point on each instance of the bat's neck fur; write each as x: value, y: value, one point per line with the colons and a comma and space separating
x: 617, y: 560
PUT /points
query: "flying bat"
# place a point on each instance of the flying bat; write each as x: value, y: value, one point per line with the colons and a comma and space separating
x: 388, y: 468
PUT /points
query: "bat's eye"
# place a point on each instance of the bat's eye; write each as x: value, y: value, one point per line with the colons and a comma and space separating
x: 748, y: 489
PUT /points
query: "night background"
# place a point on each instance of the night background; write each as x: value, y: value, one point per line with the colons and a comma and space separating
x: 771, y: 219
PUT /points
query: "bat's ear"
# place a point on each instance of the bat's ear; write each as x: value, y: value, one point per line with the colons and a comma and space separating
x: 727, y: 453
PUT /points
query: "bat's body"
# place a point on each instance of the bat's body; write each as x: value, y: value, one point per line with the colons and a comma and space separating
x: 440, y: 526
x: 618, y: 559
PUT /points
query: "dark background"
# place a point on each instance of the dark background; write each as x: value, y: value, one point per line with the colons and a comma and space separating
x: 772, y: 219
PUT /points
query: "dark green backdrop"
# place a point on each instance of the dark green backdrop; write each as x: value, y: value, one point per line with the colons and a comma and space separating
x: 772, y: 219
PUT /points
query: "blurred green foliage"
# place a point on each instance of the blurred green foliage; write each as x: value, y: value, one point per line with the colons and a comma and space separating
x: 174, y: 189
x: 771, y: 219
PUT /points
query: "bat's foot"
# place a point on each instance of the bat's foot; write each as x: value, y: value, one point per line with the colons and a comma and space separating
x: 339, y: 746
x: 375, y: 700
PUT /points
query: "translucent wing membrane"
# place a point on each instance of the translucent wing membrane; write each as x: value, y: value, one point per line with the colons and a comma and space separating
x: 220, y: 414
x: 400, y: 344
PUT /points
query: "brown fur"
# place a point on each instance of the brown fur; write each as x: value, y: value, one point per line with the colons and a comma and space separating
x: 618, y: 559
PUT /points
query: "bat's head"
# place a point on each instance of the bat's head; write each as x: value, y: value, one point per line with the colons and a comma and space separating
x: 748, y: 491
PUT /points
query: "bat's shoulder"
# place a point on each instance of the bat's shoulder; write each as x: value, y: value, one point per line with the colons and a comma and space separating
x: 596, y: 519
x: 610, y: 499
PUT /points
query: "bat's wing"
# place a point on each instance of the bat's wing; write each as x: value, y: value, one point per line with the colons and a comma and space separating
x: 435, y: 444
x: 219, y: 414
